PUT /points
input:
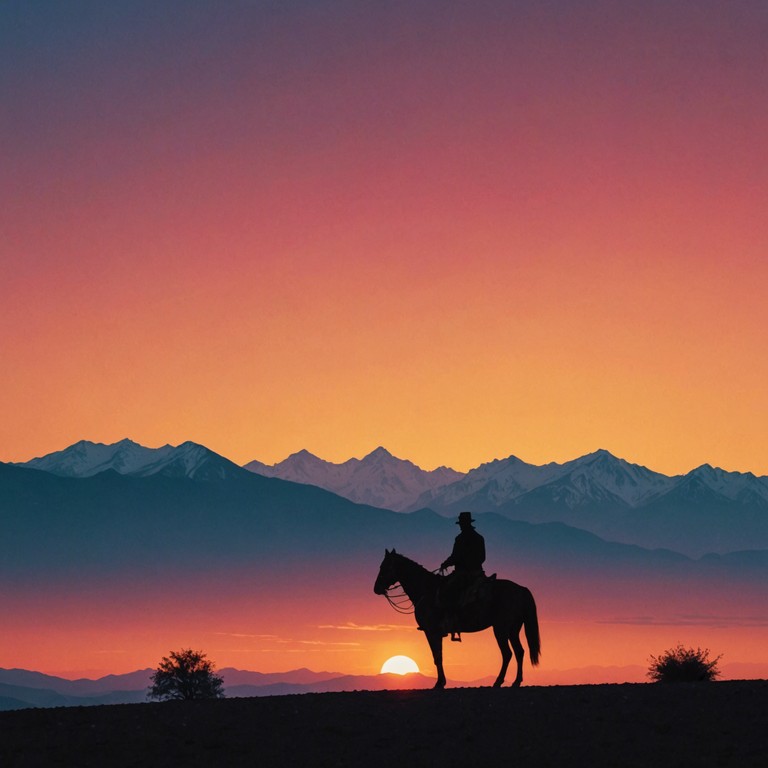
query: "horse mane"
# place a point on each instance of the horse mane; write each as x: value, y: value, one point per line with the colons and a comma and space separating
x: 413, y: 564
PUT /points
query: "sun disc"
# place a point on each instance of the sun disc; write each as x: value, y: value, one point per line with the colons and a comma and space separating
x: 399, y: 665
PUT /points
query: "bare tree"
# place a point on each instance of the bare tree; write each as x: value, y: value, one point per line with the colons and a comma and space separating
x: 186, y: 674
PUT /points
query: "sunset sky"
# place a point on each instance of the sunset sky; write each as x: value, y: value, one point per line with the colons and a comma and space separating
x: 460, y: 230
x: 113, y: 626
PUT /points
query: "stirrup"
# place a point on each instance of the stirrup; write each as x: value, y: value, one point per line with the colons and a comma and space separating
x: 455, y: 637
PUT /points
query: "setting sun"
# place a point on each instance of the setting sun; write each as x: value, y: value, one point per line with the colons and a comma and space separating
x: 399, y: 665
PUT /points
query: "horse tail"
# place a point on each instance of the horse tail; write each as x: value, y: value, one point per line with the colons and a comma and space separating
x: 531, y: 624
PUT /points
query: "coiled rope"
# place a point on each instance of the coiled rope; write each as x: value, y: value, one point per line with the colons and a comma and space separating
x: 399, y: 600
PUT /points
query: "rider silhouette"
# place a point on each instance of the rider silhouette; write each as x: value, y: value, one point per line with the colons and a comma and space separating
x: 467, y: 558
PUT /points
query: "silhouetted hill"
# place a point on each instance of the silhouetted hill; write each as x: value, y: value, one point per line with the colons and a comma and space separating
x: 710, y: 724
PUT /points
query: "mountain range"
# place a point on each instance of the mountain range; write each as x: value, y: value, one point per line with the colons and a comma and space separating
x: 379, y: 479
x: 85, y: 459
x: 185, y: 535
x: 172, y: 513
x: 705, y: 510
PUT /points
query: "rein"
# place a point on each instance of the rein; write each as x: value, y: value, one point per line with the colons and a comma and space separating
x: 399, y: 600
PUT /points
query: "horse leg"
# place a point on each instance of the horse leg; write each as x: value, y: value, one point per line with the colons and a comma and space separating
x: 435, y: 640
x: 502, y: 638
x: 517, y: 647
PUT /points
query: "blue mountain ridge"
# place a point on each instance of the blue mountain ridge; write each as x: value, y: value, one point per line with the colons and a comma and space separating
x: 706, y: 510
x: 75, y: 527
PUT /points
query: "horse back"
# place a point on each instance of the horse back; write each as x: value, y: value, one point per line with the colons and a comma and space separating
x: 511, y: 594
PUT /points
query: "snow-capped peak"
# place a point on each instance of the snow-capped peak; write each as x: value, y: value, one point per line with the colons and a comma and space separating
x: 379, y: 478
x: 732, y: 485
x: 632, y: 483
x: 598, y: 475
x: 85, y: 459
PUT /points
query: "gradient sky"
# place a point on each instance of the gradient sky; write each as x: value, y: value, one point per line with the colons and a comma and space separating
x: 106, y: 626
x: 461, y: 230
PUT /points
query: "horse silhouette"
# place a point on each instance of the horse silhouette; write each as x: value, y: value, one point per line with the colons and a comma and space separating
x: 507, y: 607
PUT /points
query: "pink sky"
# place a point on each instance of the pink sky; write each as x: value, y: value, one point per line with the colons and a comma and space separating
x: 247, y: 624
x: 458, y: 231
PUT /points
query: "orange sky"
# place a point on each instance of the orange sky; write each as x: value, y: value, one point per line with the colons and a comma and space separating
x: 459, y: 232
x: 88, y: 632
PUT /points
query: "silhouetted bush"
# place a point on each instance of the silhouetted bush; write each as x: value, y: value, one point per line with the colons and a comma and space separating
x: 683, y: 665
x: 186, y: 674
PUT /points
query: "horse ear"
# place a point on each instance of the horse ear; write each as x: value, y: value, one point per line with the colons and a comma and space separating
x: 386, y: 551
x: 393, y: 551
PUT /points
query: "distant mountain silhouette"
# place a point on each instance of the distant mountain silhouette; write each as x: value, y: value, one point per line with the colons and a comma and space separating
x: 379, y: 479
x: 85, y: 459
x: 21, y: 689
x: 131, y: 681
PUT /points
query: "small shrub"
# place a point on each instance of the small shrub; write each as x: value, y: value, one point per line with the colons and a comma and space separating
x: 683, y: 665
x: 186, y: 674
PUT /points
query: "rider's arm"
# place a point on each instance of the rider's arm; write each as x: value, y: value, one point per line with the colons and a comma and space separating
x: 455, y: 554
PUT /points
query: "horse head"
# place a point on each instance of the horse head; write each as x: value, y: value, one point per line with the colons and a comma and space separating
x: 387, y: 576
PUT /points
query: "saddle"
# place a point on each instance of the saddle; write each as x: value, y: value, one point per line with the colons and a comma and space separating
x: 470, y: 602
x: 476, y: 591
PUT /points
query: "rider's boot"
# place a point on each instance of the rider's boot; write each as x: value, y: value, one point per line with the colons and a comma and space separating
x: 450, y: 622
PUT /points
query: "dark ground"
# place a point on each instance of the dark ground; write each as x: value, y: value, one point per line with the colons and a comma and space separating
x: 685, y: 725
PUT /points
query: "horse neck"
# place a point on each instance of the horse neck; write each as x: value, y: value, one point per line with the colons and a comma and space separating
x: 414, y: 578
